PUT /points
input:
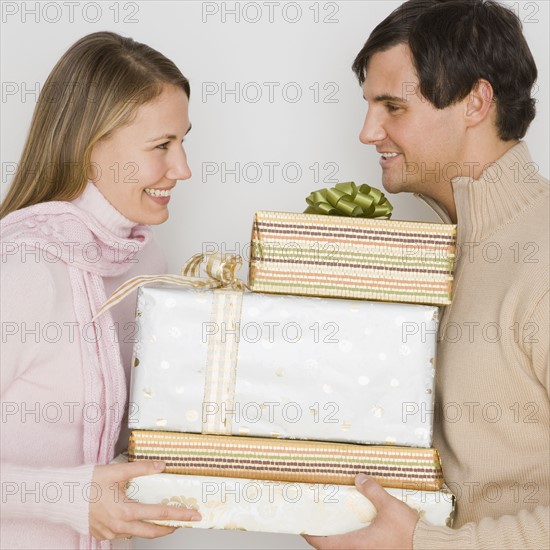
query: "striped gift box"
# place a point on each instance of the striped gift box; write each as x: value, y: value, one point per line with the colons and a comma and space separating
x: 288, y: 460
x: 336, y: 256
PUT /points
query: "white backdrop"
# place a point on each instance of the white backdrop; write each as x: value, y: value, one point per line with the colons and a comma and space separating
x: 275, y: 108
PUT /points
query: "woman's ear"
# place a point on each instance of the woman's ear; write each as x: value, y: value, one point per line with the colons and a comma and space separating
x: 478, y: 102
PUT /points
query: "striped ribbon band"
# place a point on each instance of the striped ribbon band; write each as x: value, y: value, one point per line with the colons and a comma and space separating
x: 221, y: 361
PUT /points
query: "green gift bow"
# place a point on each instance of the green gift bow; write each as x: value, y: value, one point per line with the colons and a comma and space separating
x: 346, y: 199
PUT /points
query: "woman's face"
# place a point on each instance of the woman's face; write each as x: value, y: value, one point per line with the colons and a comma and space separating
x: 137, y: 167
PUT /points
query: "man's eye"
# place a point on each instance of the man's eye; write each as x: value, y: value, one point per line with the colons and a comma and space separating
x: 391, y: 108
x: 163, y: 145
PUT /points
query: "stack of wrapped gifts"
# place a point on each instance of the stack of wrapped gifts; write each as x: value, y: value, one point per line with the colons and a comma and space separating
x: 265, y: 404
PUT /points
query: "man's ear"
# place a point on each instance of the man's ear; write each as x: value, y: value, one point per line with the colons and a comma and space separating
x: 478, y: 102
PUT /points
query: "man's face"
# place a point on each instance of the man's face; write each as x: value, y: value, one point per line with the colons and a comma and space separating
x: 424, y: 145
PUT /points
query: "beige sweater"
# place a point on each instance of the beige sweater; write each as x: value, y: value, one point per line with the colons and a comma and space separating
x: 492, y: 423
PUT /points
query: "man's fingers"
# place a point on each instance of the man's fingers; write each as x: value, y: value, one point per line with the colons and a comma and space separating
x: 372, y: 490
x: 318, y: 542
x: 163, y: 512
x: 335, y: 542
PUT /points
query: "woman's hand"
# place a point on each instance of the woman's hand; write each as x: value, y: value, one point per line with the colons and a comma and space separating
x: 114, y: 515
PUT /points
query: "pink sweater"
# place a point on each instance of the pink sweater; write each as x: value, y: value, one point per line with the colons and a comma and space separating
x: 45, y: 486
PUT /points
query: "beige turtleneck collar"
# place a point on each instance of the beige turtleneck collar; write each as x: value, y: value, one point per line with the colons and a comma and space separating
x: 505, y: 188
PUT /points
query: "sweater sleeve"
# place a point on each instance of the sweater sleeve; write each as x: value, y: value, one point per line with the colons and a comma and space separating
x: 526, y: 529
x: 56, y: 495
x: 30, y: 291
x: 537, y: 346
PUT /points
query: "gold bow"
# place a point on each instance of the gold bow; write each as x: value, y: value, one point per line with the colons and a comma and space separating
x: 220, y: 273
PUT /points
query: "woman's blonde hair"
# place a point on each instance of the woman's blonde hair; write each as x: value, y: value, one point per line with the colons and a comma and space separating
x: 94, y: 89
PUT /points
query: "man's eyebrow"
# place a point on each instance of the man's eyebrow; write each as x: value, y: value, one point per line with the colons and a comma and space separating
x: 387, y: 97
x: 168, y: 136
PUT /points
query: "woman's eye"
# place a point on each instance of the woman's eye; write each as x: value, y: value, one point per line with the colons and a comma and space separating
x: 163, y: 145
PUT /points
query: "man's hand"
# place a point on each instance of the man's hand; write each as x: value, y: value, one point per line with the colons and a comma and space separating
x: 392, y: 528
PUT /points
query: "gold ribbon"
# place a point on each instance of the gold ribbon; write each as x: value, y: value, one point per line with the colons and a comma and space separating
x: 220, y: 375
x: 220, y: 270
x: 346, y: 199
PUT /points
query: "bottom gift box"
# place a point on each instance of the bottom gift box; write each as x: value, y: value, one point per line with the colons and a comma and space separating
x: 279, y: 507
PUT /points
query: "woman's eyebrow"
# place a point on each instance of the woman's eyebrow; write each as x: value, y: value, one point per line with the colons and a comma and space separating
x: 164, y: 136
x: 168, y: 136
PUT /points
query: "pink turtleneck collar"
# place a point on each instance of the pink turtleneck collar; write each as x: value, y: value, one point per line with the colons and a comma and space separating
x: 93, y: 202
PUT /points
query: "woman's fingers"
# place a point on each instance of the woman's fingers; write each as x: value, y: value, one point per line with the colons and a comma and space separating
x: 136, y: 513
x: 146, y: 530
x: 124, y: 472
x: 162, y: 512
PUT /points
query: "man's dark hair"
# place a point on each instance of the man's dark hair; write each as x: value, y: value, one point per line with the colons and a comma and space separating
x: 454, y: 43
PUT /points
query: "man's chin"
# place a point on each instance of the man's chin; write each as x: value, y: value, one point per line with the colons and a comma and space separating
x: 393, y: 187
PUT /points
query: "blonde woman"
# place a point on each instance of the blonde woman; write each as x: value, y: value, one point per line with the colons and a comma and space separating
x: 103, y: 154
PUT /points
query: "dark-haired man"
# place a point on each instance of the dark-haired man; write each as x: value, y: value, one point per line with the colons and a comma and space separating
x: 448, y: 83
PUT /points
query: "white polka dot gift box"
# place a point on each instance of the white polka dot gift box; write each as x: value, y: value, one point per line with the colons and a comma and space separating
x: 230, y: 362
